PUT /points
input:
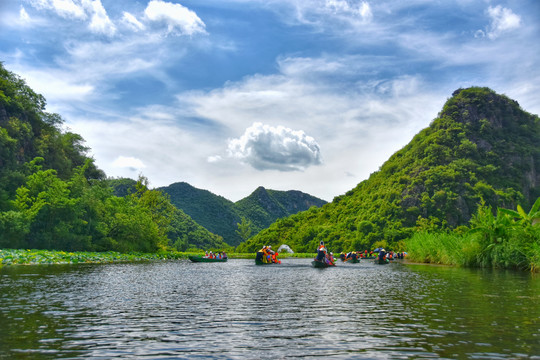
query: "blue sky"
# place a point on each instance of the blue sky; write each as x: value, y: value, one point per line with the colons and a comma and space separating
x: 228, y: 95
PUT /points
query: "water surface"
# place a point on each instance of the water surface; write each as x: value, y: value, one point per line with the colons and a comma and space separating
x: 236, y: 310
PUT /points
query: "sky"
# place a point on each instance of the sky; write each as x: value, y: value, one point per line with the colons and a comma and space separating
x: 229, y: 95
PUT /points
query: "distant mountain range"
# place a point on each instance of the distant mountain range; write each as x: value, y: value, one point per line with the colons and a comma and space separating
x: 222, y: 216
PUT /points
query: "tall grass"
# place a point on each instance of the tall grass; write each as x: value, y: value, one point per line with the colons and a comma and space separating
x: 515, y: 246
x: 442, y: 248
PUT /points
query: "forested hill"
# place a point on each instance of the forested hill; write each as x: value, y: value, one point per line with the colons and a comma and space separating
x: 222, y: 216
x: 481, y: 146
x: 52, y: 196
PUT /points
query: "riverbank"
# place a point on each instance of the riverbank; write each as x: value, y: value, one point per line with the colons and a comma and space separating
x: 35, y: 257
x: 473, y: 251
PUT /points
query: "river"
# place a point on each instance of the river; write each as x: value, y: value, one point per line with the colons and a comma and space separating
x: 237, y: 310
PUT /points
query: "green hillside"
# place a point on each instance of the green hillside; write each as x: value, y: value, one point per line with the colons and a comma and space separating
x: 481, y: 146
x: 52, y: 196
x: 221, y: 216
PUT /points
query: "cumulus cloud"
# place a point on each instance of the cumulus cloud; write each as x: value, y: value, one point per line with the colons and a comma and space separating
x: 502, y: 20
x: 83, y: 10
x: 99, y: 20
x: 129, y: 162
x: 176, y: 17
x: 275, y: 148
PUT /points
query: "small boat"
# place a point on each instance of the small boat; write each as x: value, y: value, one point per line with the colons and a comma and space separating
x: 320, y: 264
x: 260, y: 262
x: 353, y: 261
x: 199, y: 258
x: 382, y: 261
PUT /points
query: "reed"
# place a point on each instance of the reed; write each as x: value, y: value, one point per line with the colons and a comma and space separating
x: 519, y: 250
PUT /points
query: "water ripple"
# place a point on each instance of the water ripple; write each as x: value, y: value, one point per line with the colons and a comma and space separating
x: 236, y: 310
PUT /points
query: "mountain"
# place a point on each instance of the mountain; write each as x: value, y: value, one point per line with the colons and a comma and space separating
x: 481, y: 147
x: 213, y: 212
x: 222, y: 216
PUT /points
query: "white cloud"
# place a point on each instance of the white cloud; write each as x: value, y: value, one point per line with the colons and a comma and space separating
x: 344, y: 7
x: 275, y: 148
x: 214, y: 159
x: 128, y: 162
x: 177, y: 17
x: 99, y: 20
x: 64, y: 8
x: 55, y: 84
x: 502, y: 20
x: 132, y: 22
x: 82, y: 10
x: 23, y: 15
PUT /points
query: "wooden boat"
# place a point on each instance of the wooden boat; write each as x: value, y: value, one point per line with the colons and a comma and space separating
x: 382, y: 262
x: 320, y: 264
x: 199, y: 258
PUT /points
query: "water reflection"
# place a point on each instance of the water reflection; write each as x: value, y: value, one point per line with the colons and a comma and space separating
x: 239, y: 310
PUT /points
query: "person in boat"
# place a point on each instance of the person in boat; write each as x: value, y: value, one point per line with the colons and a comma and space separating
x: 382, y: 255
x: 354, y: 256
x: 260, y: 254
x: 275, y: 259
x: 269, y: 254
x: 330, y: 259
x: 321, y: 252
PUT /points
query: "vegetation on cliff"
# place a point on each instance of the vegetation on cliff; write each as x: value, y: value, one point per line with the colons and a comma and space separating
x: 52, y: 196
x: 481, y: 147
x: 224, y: 217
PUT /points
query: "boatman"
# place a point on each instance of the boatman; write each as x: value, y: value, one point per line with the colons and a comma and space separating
x: 321, y: 252
x: 260, y: 254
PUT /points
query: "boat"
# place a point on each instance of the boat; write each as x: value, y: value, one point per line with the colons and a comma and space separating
x: 382, y: 261
x: 353, y: 261
x: 260, y: 262
x: 320, y: 264
x: 199, y: 258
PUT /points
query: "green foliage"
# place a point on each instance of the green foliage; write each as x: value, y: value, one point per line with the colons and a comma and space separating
x: 244, y: 228
x: 221, y: 216
x: 35, y: 256
x: 481, y: 146
x: 52, y: 196
x: 500, y: 241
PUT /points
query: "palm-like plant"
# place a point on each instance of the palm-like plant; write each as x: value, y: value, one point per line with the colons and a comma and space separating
x: 532, y: 217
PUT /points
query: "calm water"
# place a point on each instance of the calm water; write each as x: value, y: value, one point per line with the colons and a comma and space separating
x: 238, y: 310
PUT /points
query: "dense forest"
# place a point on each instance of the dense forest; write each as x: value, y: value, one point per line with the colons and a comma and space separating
x: 222, y: 216
x: 482, y: 148
x: 52, y: 196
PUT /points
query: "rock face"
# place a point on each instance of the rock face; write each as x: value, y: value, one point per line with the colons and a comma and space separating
x: 221, y: 216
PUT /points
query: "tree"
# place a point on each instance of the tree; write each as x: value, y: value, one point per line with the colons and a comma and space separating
x: 244, y: 228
